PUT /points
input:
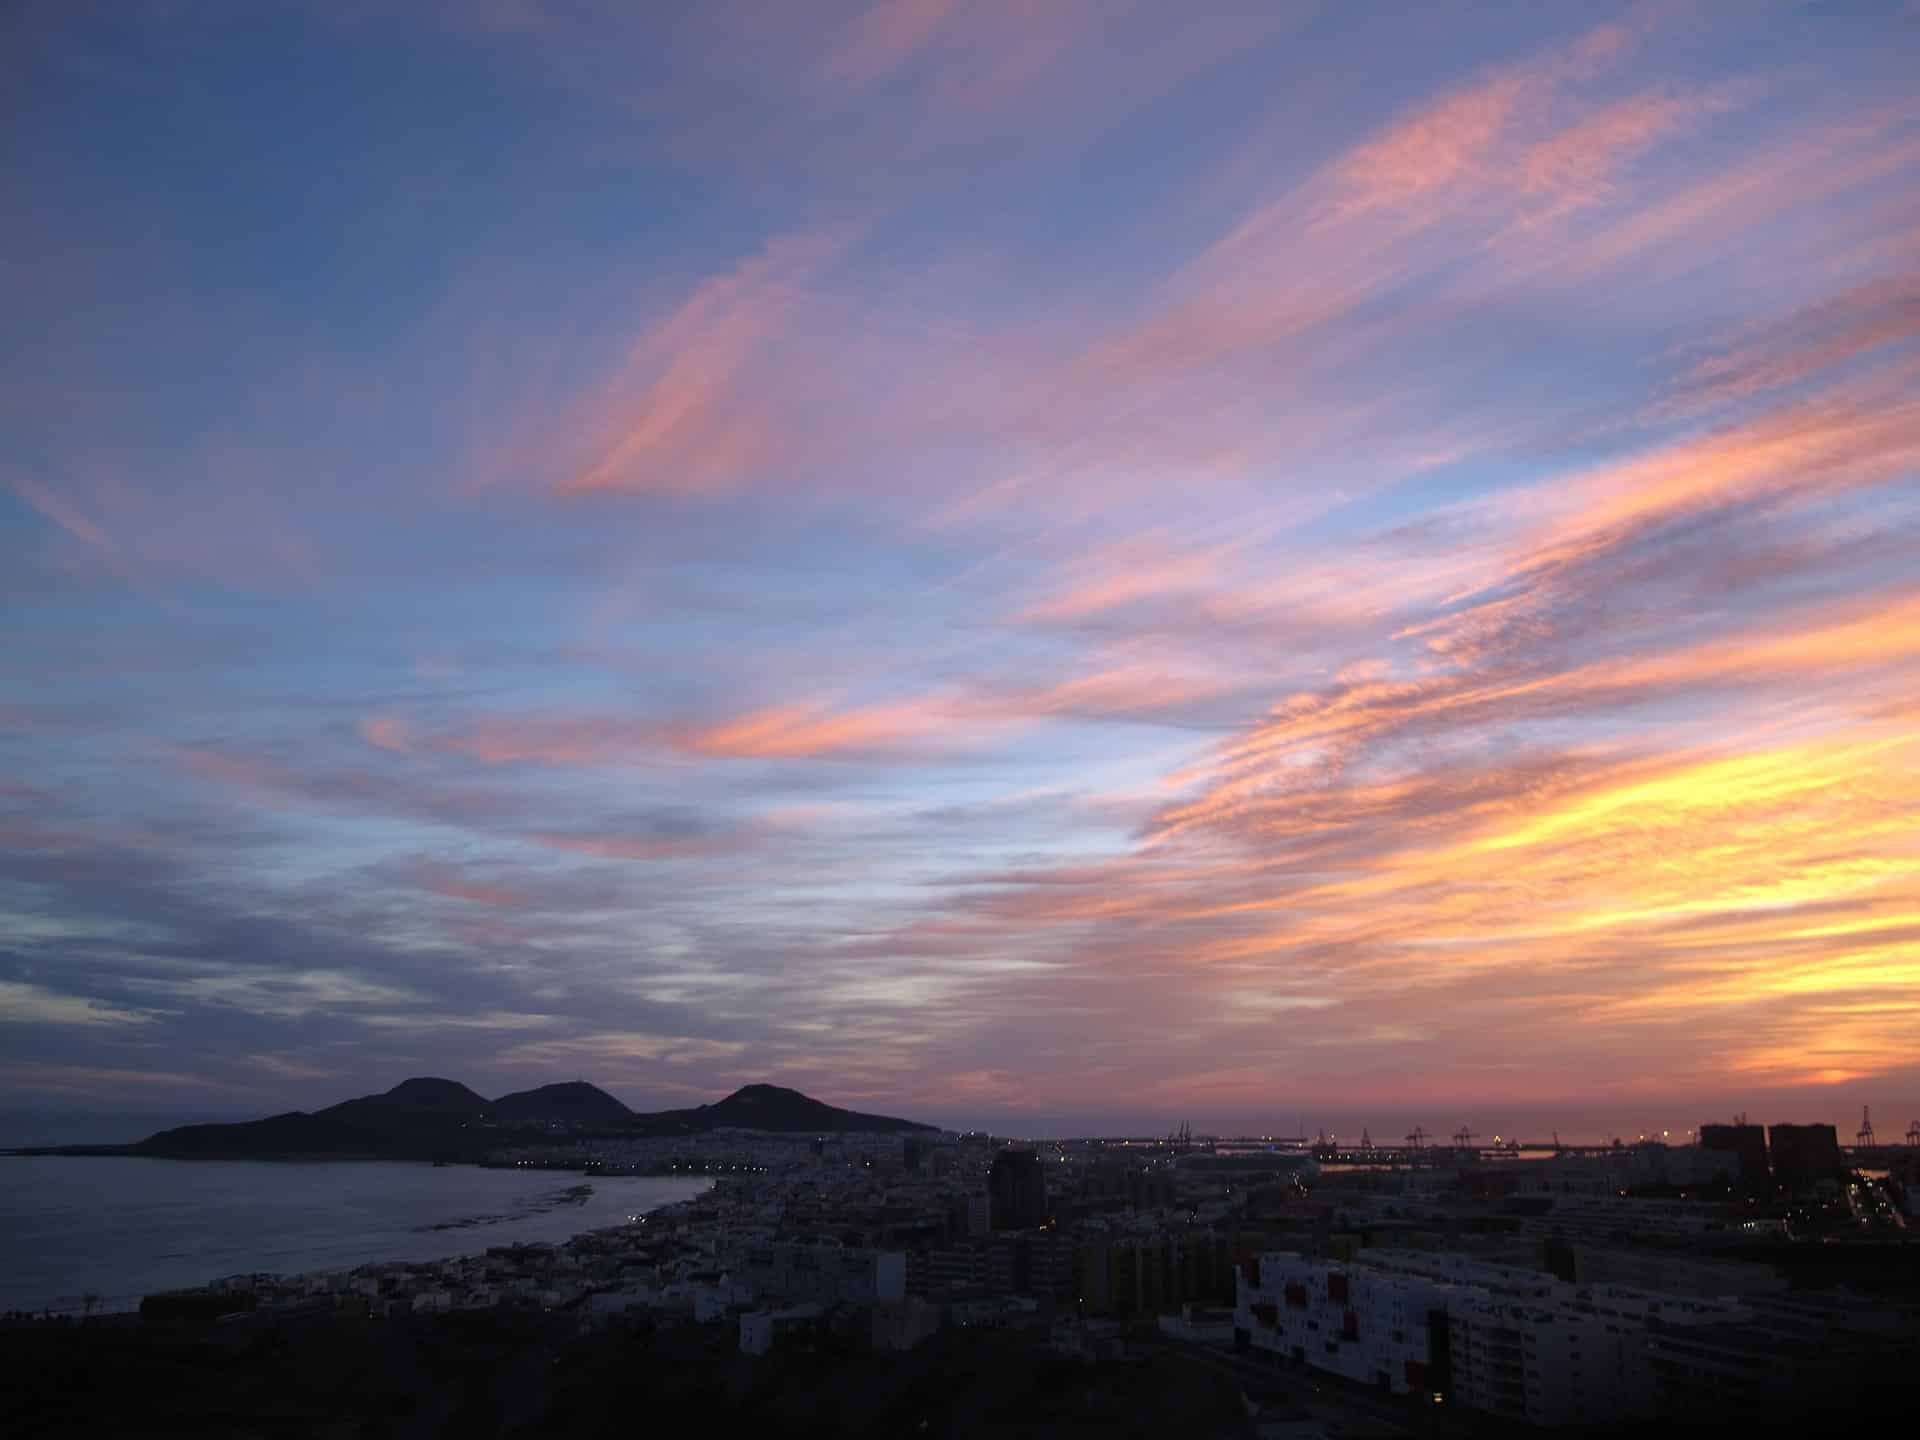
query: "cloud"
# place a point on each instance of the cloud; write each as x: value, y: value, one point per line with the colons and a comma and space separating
x: 1855, y: 434
x: 1820, y: 167
x: 690, y: 413
x: 282, y: 995
x: 1325, y: 279
x: 621, y: 1051
x: 97, y: 1082
x: 1383, y: 577
x: 282, y: 784
x: 283, y: 1068
x: 452, y: 884
x: 503, y: 1020
x: 385, y: 732
x: 797, y: 729
x: 23, y: 1003
x: 917, y: 729
x: 61, y: 512
x: 884, y: 36
x: 1856, y: 322
x: 1126, y: 572
x: 640, y: 846
x: 811, y: 729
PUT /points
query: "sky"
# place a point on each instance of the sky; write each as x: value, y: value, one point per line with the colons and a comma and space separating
x: 1051, y: 566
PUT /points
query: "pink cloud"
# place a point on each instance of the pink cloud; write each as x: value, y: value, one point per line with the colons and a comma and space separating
x: 924, y: 726
x: 61, y: 512
x: 1856, y: 322
x: 1443, y: 144
x: 1129, y: 570
x: 1693, y: 220
x: 1856, y: 434
x: 692, y: 412
x: 1159, y: 398
x: 452, y: 884
x: 885, y: 36
x: 800, y: 729
x: 811, y: 729
x: 386, y: 732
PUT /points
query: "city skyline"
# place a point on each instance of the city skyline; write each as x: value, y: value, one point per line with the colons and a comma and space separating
x: 1386, y: 1128
x: 977, y: 562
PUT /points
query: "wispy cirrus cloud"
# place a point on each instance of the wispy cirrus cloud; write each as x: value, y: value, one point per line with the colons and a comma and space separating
x: 452, y: 884
x: 629, y: 1051
x: 692, y: 411
x: 939, y: 723
x: 980, y: 558
x: 25, y: 1003
x: 882, y: 37
x: 1858, y: 321
x: 100, y: 1082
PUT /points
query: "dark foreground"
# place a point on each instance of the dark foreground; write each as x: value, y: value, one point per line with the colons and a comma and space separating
x: 507, y: 1373
x: 499, y: 1374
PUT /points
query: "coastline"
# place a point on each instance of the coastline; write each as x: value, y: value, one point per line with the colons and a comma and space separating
x: 345, y: 1216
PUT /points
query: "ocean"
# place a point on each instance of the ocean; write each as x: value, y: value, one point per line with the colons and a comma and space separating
x: 120, y: 1228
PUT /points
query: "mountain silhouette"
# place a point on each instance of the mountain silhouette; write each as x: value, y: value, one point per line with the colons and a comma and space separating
x: 773, y: 1107
x: 571, y: 1102
x: 431, y: 1118
x: 423, y: 1103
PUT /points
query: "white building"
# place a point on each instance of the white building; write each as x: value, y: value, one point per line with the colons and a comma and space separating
x: 1365, y: 1324
x: 1518, y: 1342
x: 1581, y: 1357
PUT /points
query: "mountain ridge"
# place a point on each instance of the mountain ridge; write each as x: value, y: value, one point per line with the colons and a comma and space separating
x: 429, y: 1117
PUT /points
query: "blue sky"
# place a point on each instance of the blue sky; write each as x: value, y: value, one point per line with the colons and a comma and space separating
x: 1028, y: 565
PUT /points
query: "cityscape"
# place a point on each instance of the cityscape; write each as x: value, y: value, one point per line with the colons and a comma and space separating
x: 1272, y: 1285
x: 959, y: 718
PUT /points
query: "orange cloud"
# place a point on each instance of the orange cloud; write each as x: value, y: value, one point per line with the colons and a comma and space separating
x: 920, y: 726
x: 811, y: 729
x: 801, y: 729
x: 1124, y: 572
x: 1857, y: 434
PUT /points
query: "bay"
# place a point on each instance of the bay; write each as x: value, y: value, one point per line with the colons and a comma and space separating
x: 123, y: 1227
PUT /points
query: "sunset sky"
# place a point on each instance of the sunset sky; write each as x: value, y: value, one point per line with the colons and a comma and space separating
x: 1061, y: 566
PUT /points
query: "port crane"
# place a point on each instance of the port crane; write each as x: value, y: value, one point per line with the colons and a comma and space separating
x: 1863, y: 1137
x: 1463, y: 1137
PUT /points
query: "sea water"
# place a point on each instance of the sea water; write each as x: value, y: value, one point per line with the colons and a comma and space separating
x: 118, y: 1228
